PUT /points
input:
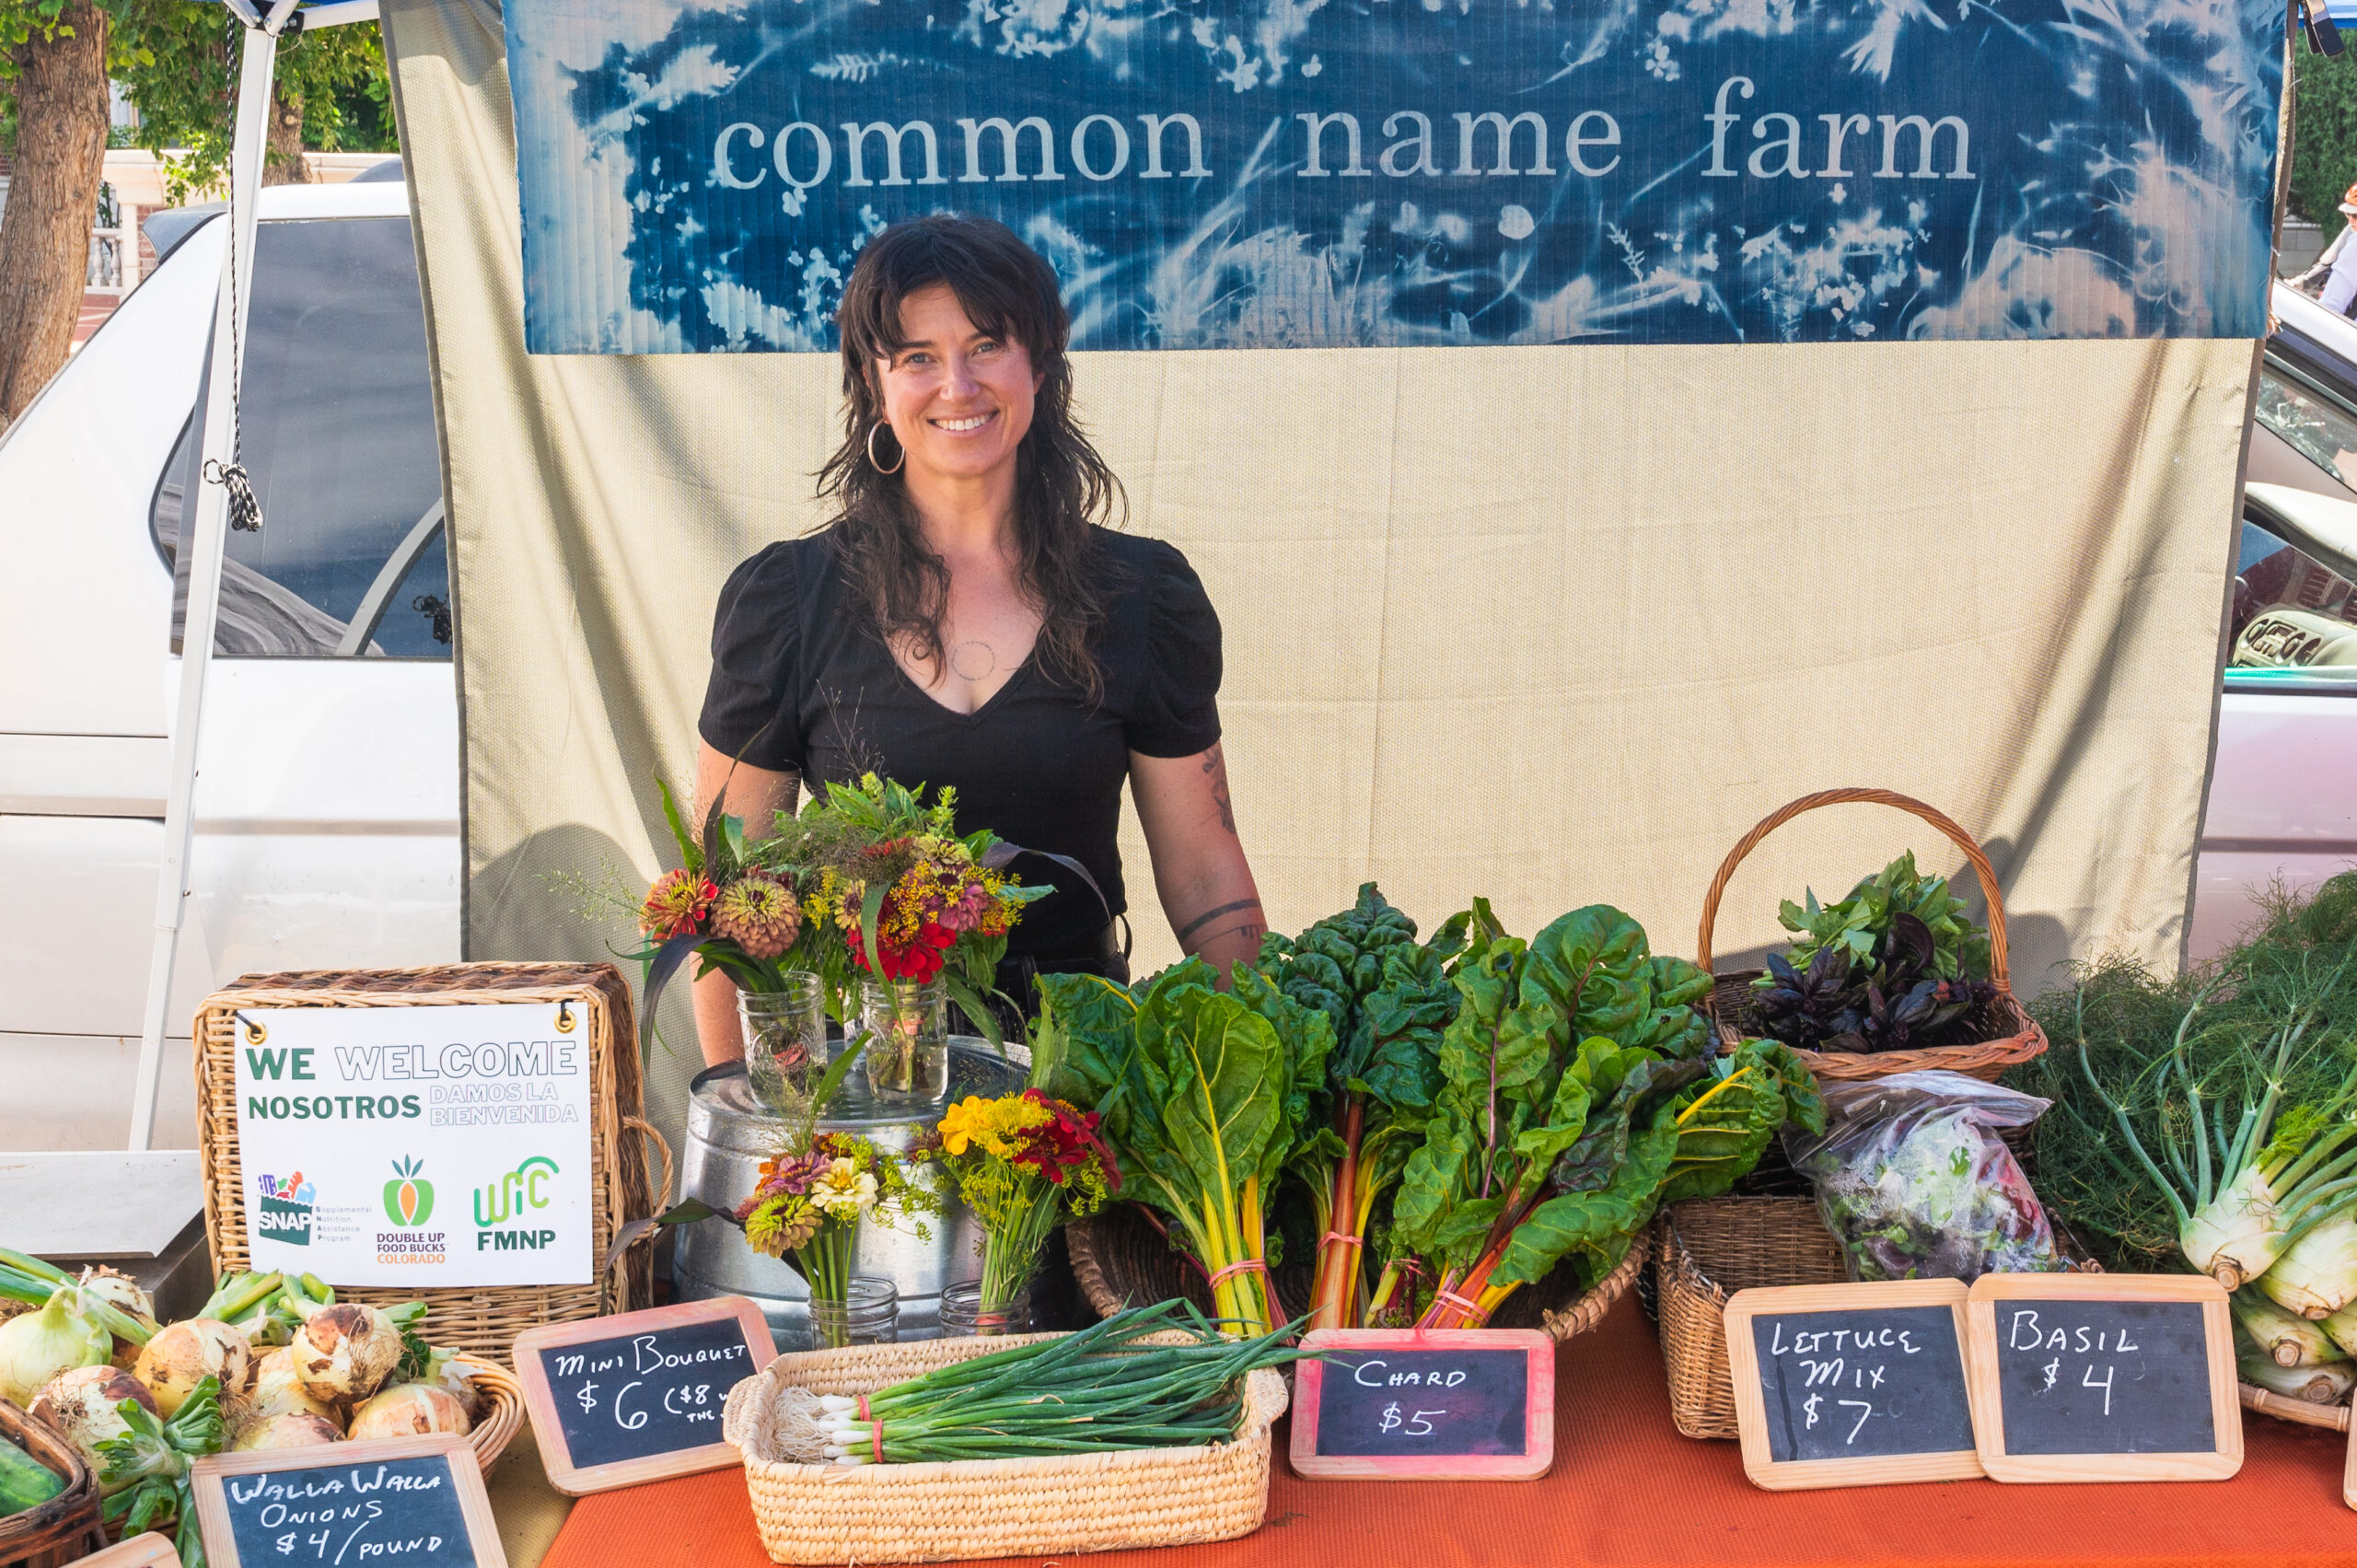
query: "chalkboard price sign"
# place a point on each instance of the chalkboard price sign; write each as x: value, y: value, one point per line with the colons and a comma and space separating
x: 1851, y: 1384
x: 2104, y: 1377
x: 629, y: 1398
x: 1399, y: 1405
x: 414, y: 1502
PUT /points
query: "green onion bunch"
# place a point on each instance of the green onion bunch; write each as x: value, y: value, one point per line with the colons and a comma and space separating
x: 1085, y: 1393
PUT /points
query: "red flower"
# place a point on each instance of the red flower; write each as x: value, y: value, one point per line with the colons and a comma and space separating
x: 1055, y: 1149
x: 921, y: 960
x: 677, y: 904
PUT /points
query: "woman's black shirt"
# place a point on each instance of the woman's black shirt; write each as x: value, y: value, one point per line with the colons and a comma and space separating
x: 803, y: 682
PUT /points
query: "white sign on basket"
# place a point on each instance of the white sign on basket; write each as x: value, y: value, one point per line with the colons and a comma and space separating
x: 416, y: 1146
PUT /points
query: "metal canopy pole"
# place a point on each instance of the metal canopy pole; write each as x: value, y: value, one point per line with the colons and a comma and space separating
x: 204, y: 544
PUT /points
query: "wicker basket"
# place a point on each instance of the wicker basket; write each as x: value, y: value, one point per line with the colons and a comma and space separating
x: 934, y: 1513
x: 1707, y: 1250
x: 2332, y: 1418
x: 1123, y: 1262
x: 1729, y: 1004
x: 502, y: 1414
x: 481, y: 1320
x: 65, y: 1527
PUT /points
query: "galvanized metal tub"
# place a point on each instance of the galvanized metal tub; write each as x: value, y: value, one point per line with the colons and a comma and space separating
x: 729, y: 1134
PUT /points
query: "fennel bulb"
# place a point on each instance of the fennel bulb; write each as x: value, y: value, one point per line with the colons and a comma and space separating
x: 2317, y: 1275
x: 2286, y: 1339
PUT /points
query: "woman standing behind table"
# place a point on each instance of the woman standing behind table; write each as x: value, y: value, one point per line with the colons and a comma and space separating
x: 968, y: 621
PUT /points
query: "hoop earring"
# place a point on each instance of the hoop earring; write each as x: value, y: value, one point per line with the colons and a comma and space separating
x: 880, y: 467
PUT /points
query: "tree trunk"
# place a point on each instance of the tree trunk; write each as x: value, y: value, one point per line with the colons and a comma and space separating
x: 285, y: 164
x: 52, y: 200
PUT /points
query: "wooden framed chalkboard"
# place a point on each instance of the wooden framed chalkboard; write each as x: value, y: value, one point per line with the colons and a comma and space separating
x: 2103, y: 1377
x: 1851, y: 1384
x: 149, y: 1551
x: 616, y: 1402
x: 1459, y: 1404
x: 411, y: 1503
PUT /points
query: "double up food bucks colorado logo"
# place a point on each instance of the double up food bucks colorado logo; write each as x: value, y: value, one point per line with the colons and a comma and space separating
x: 409, y: 1203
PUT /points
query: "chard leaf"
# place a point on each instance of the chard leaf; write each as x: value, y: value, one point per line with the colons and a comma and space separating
x: 1601, y: 1222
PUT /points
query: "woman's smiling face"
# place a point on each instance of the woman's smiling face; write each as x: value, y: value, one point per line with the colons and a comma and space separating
x: 958, y: 398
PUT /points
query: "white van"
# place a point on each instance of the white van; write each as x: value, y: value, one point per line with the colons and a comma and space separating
x: 328, y: 790
x: 327, y: 796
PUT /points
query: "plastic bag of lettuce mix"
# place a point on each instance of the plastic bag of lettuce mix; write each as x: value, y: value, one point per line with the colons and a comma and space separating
x: 1913, y: 1178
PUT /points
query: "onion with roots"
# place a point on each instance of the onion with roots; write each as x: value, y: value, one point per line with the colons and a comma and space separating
x: 183, y: 1355
x: 345, y: 1351
x: 296, y: 1429
x: 84, y: 1407
x: 409, y: 1410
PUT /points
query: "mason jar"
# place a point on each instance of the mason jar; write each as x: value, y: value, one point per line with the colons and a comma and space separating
x: 906, y: 1025
x: 963, y: 1312
x: 785, y: 1042
x: 869, y: 1314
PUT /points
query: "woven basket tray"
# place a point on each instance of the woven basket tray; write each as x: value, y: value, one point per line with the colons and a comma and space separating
x: 2014, y: 1036
x: 502, y: 1414
x: 65, y: 1527
x: 1123, y: 1262
x: 481, y: 1320
x: 1708, y: 1248
x: 994, y: 1507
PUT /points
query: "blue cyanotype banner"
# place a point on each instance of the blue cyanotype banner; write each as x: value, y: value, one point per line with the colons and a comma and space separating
x: 1323, y: 173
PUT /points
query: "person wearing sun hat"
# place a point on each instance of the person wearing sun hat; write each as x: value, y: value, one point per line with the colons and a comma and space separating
x: 2336, y: 269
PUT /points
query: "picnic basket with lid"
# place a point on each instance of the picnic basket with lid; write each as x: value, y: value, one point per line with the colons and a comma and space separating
x: 2010, y: 1035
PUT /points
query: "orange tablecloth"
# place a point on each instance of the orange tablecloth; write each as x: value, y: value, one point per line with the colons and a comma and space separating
x: 1627, y: 1489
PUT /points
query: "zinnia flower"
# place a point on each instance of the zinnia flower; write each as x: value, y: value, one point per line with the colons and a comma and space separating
x: 675, y: 905
x: 844, y: 1191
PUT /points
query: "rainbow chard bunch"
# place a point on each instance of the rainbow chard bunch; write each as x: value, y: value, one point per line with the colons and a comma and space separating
x: 1203, y: 1097
x: 1389, y: 998
x: 1578, y: 1095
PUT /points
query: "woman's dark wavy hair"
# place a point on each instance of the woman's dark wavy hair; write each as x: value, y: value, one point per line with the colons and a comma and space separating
x: 1062, y: 485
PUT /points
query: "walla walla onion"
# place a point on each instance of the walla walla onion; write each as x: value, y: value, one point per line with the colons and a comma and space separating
x: 344, y: 1352
x: 36, y: 1346
x: 183, y: 1355
x: 278, y: 1391
x: 296, y: 1430
x: 409, y: 1410
x: 84, y: 1407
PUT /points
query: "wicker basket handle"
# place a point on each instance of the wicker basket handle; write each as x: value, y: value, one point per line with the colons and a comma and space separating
x: 663, y: 1148
x: 1777, y: 818
x: 640, y: 1229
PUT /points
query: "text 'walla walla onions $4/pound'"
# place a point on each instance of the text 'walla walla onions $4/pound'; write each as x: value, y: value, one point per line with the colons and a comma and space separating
x: 183, y: 1355
x: 346, y: 1351
x: 293, y: 1430
x: 85, y: 1406
x: 409, y: 1410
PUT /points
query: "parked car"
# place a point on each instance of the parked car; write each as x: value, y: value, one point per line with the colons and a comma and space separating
x: 326, y: 799
x: 2283, y: 792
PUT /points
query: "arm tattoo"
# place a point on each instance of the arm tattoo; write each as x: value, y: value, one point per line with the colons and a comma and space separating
x: 1209, y: 915
x: 1214, y: 766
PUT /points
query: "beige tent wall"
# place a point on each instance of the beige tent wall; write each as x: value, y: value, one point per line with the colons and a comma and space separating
x: 1555, y: 625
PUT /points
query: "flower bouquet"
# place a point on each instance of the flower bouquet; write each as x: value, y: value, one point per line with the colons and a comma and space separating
x: 1021, y: 1162
x: 867, y: 883
x: 808, y: 1208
